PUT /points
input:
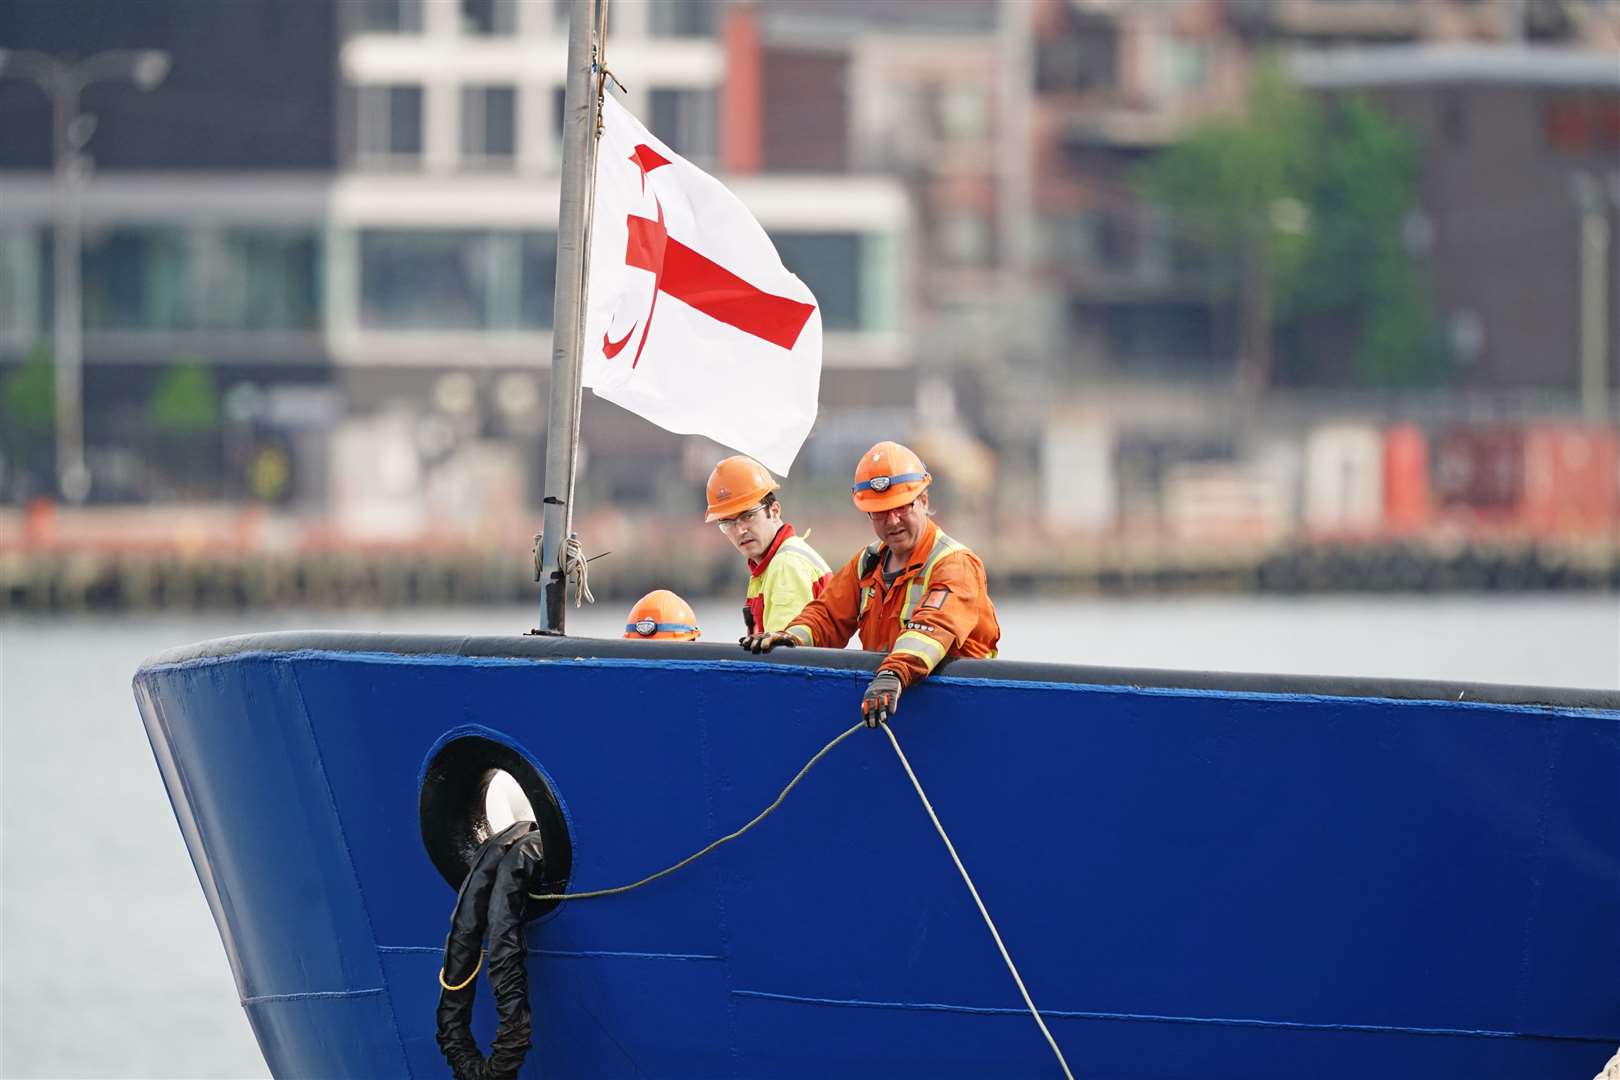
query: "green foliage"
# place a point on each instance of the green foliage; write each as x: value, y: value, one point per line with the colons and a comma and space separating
x: 1319, y: 194
x: 28, y: 396
x: 186, y: 402
x: 1225, y: 180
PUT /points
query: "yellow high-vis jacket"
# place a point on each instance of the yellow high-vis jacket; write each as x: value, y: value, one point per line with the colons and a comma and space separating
x: 782, y: 581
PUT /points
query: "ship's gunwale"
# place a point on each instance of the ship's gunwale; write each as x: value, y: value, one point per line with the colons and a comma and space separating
x: 547, y: 648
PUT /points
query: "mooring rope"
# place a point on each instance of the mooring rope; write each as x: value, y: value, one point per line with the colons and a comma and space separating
x: 761, y: 816
x: 928, y: 806
x: 950, y: 847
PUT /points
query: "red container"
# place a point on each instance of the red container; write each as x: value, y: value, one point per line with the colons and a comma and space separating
x: 1407, y: 501
x: 1479, y: 474
x: 1571, y: 486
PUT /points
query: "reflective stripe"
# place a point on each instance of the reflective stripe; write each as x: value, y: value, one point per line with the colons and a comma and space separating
x: 802, y: 633
x: 920, y: 645
x: 795, y: 545
x: 943, y: 546
x: 866, y: 599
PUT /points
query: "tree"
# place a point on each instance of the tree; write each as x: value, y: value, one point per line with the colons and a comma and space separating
x: 186, y: 403
x: 28, y: 412
x: 184, y: 412
x: 1298, y: 208
x: 1357, y: 263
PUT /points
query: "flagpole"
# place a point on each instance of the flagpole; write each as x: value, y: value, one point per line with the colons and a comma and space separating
x: 562, y: 422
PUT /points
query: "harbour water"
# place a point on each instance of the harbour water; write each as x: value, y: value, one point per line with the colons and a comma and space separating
x: 111, y: 962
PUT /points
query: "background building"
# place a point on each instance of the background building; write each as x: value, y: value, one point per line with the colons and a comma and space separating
x: 318, y: 260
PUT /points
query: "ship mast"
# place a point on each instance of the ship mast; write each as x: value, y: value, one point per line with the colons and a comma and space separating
x: 568, y: 321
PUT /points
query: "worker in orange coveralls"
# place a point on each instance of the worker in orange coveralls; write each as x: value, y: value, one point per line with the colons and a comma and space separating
x: 913, y: 592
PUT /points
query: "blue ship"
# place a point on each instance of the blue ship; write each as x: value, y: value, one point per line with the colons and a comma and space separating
x: 1198, y: 875
x: 1210, y: 876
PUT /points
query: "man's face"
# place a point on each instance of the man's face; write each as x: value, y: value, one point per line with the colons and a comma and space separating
x: 752, y: 531
x: 900, y: 527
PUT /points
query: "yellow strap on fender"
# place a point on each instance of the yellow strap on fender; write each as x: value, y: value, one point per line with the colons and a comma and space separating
x: 470, y: 978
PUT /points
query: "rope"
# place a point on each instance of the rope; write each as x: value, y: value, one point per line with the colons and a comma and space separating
x: 761, y: 816
x: 577, y: 569
x: 1033, y: 1011
x: 765, y: 813
x: 464, y: 983
x: 600, y: 64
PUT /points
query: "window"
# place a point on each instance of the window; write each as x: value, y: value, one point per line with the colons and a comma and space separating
x: 1069, y: 240
x: 1582, y: 125
x: 831, y: 264
x: 962, y: 111
x: 22, y: 273
x: 684, y: 18
x: 261, y: 279
x: 561, y: 10
x: 539, y: 270
x: 962, y: 239
x: 1454, y: 118
x: 1189, y: 65
x: 383, y: 16
x: 489, y: 16
x: 488, y: 125
x: 686, y: 120
x: 138, y: 279
x: 421, y: 280
x: 1084, y: 56
x: 456, y: 279
x: 387, y: 125
x: 1161, y: 336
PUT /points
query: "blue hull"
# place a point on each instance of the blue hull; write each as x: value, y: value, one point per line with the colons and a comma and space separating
x: 1211, y: 876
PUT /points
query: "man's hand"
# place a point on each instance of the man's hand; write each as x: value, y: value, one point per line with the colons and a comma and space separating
x: 763, y: 643
x: 882, y: 699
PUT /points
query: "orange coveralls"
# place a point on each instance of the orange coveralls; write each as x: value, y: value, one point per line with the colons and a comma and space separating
x: 939, y: 606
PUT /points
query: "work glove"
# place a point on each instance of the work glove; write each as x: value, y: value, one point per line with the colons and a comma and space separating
x: 882, y: 698
x: 763, y: 643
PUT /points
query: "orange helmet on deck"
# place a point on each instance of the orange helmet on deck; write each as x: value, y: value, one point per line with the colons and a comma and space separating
x: 889, y: 475
x: 662, y: 614
x: 737, y: 484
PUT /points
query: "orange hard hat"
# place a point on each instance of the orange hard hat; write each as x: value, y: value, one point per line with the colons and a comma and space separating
x: 737, y: 484
x: 888, y: 476
x: 662, y: 614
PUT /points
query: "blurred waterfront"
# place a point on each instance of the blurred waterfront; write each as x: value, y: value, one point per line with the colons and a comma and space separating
x: 1278, y: 295
x: 105, y: 931
x: 1264, y: 335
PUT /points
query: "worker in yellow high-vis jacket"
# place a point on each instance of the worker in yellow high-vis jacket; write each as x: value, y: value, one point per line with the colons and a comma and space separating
x: 784, y: 572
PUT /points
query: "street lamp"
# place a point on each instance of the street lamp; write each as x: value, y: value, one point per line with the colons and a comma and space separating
x: 1594, y: 303
x: 63, y: 82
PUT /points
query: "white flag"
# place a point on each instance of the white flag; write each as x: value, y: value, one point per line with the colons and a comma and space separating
x: 692, y: 321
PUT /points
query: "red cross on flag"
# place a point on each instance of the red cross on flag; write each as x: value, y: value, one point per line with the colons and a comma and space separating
x: 692, y: 321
